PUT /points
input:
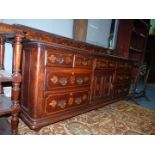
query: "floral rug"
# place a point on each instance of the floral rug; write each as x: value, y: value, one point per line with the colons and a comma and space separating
x: 120, y: 118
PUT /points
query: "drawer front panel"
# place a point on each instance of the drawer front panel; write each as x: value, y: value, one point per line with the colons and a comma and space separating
x: 112, y: 64
x: 83, y: 61
x: 105, y: 63
x: 59, y: 79
x: 124, y: 67
x: 63, y: 101
x: 122, y: 77
x: 128, y: 68
x: 121, y: 65
x: 59, y: 59
x: 101, y: 64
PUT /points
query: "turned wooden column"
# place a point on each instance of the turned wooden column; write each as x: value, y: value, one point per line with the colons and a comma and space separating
x: 17, y: 55
x: 2, y: 50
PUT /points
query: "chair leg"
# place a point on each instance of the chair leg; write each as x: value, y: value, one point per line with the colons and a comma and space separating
x: 15, y: 116
x: 15, y: 119
x: 132, y: 98
x: 134, y: 101
x: 2, y: 52
x: 1, y: 88
x: 145, y: 96
x: 17, y: 55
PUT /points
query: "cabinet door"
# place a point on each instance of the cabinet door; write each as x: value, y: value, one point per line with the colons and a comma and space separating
x: 121, y: 90
x: 103, y: 84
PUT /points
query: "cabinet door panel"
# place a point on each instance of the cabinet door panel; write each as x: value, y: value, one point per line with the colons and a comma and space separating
x: 103, y: 85
x: 97, y: 86
x: 107, y: 86
x: 121, y: 90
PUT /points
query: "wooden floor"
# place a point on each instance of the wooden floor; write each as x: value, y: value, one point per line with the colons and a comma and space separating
x: 5, y: 128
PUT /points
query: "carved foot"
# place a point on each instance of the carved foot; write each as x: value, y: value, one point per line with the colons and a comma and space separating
x: 14, y: 124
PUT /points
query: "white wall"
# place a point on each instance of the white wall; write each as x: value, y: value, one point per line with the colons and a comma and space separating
x: 62, y: 27
x: 98, y: 31
x: 58, y: 26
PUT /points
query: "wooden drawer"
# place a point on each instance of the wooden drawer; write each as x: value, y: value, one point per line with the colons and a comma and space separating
x: 83, y: 61
x: 128, y: 67
x: 57, y: 78
x: 63, y: 101
x: 121, y: 65
x: 58, y: 58
x: 122, y: 77
x: 124, y: 67
x: 101, y: 64
x: 112, y: 64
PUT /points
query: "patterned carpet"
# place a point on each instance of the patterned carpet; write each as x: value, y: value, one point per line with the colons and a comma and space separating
x: 120, y: 118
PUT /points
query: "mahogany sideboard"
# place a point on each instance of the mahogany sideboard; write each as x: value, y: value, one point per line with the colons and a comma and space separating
x: 62, y: 77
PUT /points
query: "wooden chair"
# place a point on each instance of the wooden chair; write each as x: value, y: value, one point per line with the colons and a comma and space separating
x: 10, y: 106
x: 143, y: 73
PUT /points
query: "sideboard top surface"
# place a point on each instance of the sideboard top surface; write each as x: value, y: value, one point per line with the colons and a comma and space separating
x: 40, y: 37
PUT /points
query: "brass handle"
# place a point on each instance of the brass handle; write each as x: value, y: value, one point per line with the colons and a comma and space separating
x: 85, y: 62
x: 63, y: 81
x: 78, y: 100
x: 62, y: 103
x: 79, y: 81
x: 60, y: 60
